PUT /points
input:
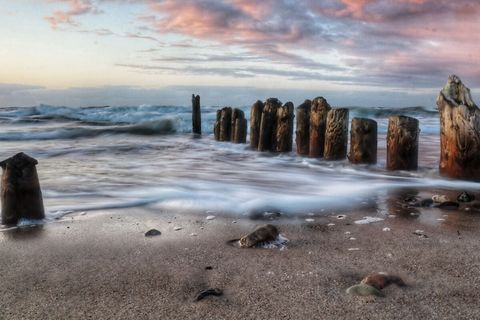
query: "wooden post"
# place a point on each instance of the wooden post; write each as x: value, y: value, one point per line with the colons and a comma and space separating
x: 255, y: 120
x: 363, y: 141
x: 402, y: 143
x: 240, y: 131
x: 268, y: 125
x: 318, y: 121
x: 284, y: 135
x: 21, y: 195
x: 336, y: 135
x: 459, y: 131
x: 216, y: 127
x: 225, y: 124
x: 302, y: 134
x: 236, y: 114
x: 196, y: 115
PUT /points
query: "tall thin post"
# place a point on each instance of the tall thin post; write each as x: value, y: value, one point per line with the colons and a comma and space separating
x: 196, y: 115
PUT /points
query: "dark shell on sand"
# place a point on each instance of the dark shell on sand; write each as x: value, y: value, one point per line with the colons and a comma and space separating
x: 209, y: 292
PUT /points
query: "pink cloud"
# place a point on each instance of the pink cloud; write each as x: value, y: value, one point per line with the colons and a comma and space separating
x: 75, y: 8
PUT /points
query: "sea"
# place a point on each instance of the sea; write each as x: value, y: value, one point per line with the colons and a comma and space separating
x: 104, y: 158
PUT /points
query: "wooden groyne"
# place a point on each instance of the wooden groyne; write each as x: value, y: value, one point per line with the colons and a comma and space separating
x: 322, y: 132
x: 196, y: 115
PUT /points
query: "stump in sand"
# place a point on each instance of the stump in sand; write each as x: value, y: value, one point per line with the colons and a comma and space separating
x: 20, y: 192
x: 255, y: 120
x: 318, y: 122
x: 268, y: 125
x: 225, y: 124
x: 363, y: 141
x: 216, y: 127
x: 402, y: 143
x: 302, y: 134
x: 336, y: 135
x: 196, y: 115
x: 459, y: 131
x: 284, y: 135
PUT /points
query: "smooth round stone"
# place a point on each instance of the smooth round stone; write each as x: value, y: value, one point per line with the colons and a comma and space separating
x: 152, y: 233
x: 364, y: 290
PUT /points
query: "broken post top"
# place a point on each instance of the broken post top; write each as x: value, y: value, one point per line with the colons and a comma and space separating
x: 18, y: 161
x: 307, y: 104
x: 320, y: 103
x: 195, y: 98
x: 273, y: 101
x: 456, y: 92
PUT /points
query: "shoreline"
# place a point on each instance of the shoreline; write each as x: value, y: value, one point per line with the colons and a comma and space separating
x: 101, y: 265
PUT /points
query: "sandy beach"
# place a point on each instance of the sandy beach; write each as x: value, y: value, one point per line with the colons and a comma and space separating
x: 100, y: 265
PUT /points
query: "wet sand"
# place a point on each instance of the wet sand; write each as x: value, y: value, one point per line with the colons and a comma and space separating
x: 101, y: 266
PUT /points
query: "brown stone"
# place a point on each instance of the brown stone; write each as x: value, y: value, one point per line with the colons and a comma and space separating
x: 382, y: 280
x: 318, y: 123
x: 20, y: 191
x: 459, y: 131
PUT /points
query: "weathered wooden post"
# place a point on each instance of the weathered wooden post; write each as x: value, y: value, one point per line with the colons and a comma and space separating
x: 459, y: 131
x: 336, y: 135
x: 216, y: 127
x: 284, y: 135
x: 268, y: 125
x: 302, y: 134
x: 402, y: 143
x: 20, y: 192
x: 255, y: 120
x: 196, y: 115
x: 363, y: 141
x: 318, y: 122
x: 236, y: 114
x: 225, y: 124
x: 240, y: 131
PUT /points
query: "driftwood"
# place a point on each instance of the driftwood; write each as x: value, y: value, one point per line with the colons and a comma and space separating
x: 21, y: 195
x: 255, y: 120
x: 196, y: 115
x: 363, y: 141
x: 336, y: 135
x: 268, y: 125
x: 459, y: 131
x: 284, y: 135
x: 302, y: 134
x: 225, y: 124
x: 402, y: 143
x: 318, y: 122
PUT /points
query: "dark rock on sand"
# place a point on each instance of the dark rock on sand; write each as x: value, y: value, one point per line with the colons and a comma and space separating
x: 152, y: 233
x: 448, y: 205
x: 209, y: 292
x: 365, y: 290
x: 261, y: 234
x: 382, y: 280
x: 424, y: 203
x: 465, y: 197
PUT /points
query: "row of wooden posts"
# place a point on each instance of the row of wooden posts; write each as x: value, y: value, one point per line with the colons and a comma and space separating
x: 321, y: 132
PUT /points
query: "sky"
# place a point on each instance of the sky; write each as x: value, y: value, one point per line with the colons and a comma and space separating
x: 232, y: 52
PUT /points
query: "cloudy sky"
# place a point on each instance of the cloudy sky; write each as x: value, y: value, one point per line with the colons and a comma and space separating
x: 354, y: 52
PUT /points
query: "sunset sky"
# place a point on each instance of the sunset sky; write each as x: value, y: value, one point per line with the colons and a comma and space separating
x: 354, y: 52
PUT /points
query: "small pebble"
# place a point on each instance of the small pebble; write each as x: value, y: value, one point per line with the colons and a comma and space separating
x: 348, y: 232
x: 331, y: 224
x: 386, y: 229
x: 352, y: 238
x: 234, y: 221
x: 310, y: 220
x: 177, y: 228
x: 341, y: 217
x: 440, y: 219
x: 210, y: 217
x: 353, y: 249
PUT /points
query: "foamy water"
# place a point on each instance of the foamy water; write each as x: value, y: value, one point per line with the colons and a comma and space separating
x: 120, y: 157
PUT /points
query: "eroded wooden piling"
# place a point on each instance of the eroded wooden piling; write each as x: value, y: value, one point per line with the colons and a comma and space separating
x: 302, y: 134
x: 284, y: 128
x: 240, y: 135
x: 216, y: 127
x: 459, y: 131
x: 236, y: 114
x: 225, y: 124
x: 255, y: 121
x: 318, y: 121
x: 402, y: 143
x: 268, y: 125
x: 196, y: 115
x: 21, y: 195
x: 363, y: 141
x: 336, y: 135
